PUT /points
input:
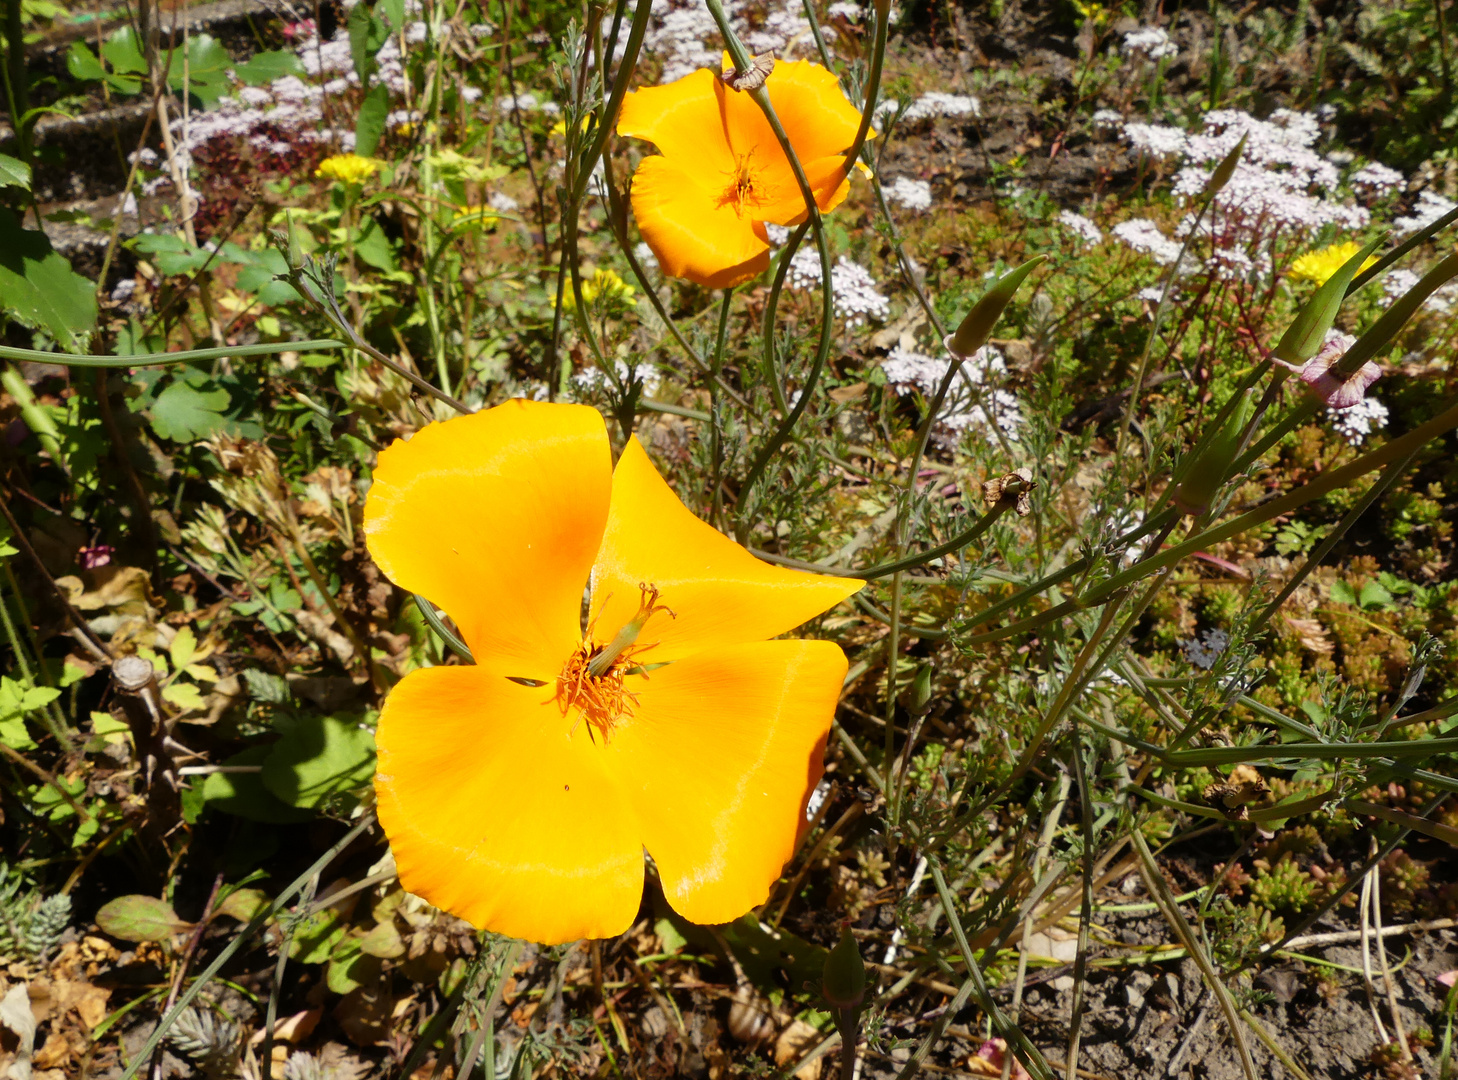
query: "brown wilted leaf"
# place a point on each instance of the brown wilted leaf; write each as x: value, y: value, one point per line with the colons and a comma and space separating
x: 794, y: 1042
x: 1244, y: 786
x: 1311, y: 634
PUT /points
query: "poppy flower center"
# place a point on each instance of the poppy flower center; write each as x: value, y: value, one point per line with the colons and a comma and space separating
x: 740, y: 191
x: 591, y: 682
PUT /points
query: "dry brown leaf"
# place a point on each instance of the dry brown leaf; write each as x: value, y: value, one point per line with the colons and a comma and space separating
x: 1312, y: 635
x: 794, y: 1042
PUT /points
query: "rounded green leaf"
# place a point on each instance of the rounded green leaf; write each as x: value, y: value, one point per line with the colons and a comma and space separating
x: 140, y: 918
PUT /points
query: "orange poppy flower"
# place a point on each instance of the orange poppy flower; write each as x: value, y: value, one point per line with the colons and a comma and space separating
x: 521, y: 792
x: 720, y: 175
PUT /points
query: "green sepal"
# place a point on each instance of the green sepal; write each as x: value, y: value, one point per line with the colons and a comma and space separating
x: 843, y: 982
x: 1306, y: 333
x: 977, y: 327
x: 1225, y: 170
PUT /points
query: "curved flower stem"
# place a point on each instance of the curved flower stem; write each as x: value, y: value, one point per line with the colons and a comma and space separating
x: 812, y: 209
x: 716, y: 435
x: 618, y: 218
x: 239, y: 352
x: 771, y: 306
x: 641, y: 14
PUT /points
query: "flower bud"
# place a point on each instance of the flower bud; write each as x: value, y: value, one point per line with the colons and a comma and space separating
x: 843, y: 983
x: 1307, y: 332
x: 918, y: 696
x: 296, y: 248
x: 1225, y: 170
x: 1208, y: 473
x: 977, y: 327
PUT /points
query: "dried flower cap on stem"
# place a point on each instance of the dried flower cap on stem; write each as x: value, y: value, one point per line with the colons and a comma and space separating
x: 1335, y: 393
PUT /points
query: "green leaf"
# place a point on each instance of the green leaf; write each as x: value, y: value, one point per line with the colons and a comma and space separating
x: 172, y: 254
x: 244, y: 795
x: 39, y: 289
x: 373, y: 246
x: 316, y: 936
x: 367, y: 35
x: 369, y: 125
x: 123, y: 51
x: 1343, y: 593
x: 183, y: 648
x: 319, y: 756
x: 82, y: 63
x: 185, y: 696
x: 139, y: 918
x: 13, y: 734
x: 350, y: 967
x: 206, y: 69
x: 243, y: 904
x: 185, y: 413
x: 265, y: 67
x: 14, y: 173
x: 1373, y: 595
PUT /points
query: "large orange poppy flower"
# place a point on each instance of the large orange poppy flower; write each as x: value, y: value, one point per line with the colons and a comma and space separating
x: 721, y: 174
x: 521, y: 792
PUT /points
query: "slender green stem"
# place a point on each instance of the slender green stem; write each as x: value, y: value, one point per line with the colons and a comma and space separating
x: 154, y: 359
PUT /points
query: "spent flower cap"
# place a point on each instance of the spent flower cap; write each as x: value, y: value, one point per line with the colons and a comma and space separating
x: 1335, y: 392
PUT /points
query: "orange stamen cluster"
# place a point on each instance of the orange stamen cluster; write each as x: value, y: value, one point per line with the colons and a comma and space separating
x: 592, y: 679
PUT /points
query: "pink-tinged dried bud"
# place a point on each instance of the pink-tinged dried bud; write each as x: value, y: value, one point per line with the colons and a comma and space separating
x: 994, y: 1053
x: 1335, y: 393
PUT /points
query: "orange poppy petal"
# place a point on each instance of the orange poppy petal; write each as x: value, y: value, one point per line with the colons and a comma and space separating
x: 496, y: 518
x: 814, y: 111
x: 693, y: 233
x: 683, y: 119
x: 496, y: 816
x: 720, y: 593
x: 783, y: 204
x: 719, y: 761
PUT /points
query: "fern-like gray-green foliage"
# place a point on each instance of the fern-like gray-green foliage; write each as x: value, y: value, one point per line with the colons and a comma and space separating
x: 211, y: 1042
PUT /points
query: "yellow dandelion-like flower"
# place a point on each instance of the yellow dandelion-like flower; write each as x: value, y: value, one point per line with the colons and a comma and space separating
x: 348, y: 168
x: 474, y: 215
x: 604, y: 284
x: 1319, y: 266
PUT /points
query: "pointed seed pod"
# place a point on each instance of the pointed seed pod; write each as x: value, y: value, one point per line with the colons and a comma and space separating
x: 1306, y: 333
x: 918, y: 696
x: 977, y: 327
x: 1225, y: 170
x: 1208, y: 473
x: 843, y: 982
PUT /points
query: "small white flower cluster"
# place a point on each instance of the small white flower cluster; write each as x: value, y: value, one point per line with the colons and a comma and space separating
x: 1430, y: 207
x: 856, y: 295
x: 288, y: 111
x: 1376, y: 180
x: 1141, y: 234
x: 1107, y: 120
x: 972, y: 403
x: 912, y: 194
x: 592, y: 382
x: 1442, y: 300
x: 502, y: 202
x: 684, y: 36
x: 845, y: 9
x: 1206, y: 649
x: 526, y: 102
x: 1081, y: 227
x: 1359, y: 421
x: 1280, y: 179
x: 930, y: 106
x: 1149, y: 42
x: 1156, y: 140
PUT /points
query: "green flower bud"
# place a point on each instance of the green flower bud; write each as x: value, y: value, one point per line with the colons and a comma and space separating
x: 1304, y: 336
x: 296, y: 249
x: 977, y: 327
x: 919, y: 694
x: 1209, y: 472
x: 1225, y: 170
x: 843, y: 983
